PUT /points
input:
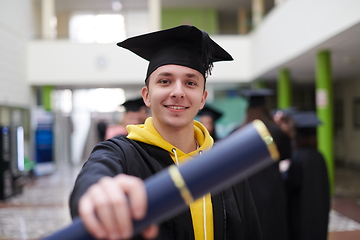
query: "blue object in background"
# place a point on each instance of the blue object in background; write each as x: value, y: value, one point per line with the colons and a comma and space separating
x: 44, y: 143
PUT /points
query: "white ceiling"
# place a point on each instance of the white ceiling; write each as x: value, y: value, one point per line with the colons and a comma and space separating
x: 345, y: 47
x: 345, y: 58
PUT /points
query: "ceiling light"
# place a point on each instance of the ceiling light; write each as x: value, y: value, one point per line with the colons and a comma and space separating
x: 116, y: 5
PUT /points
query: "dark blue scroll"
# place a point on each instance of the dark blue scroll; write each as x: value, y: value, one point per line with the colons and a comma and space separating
x: 231, y: 160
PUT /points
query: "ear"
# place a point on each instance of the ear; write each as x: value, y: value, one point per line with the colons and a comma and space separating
x: 145, y: 96
x: 204, y: 97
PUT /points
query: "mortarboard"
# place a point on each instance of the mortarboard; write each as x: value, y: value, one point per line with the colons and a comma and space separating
x: 183, y: 45
x: 133, y: 105
x: 256, y: 97
x: 209, y: 111
x: 306, y: 123
x: 306, y: 119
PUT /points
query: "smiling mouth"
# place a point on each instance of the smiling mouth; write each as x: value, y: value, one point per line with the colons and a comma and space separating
x: 176, y: 107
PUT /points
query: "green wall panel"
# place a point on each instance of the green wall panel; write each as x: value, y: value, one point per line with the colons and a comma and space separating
x: 204, y: 19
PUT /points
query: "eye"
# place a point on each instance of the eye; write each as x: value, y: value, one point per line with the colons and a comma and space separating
x: 164, y: 81
x: 191, y: 83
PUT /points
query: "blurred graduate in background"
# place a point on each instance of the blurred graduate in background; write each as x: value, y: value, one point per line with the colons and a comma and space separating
x: 135, y: 113
x: 282, y: 117
x: 267, y: 186
x: 308, y: 185
x: 208, y: 117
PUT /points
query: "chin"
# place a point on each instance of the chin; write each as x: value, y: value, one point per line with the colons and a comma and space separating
x: 178, y: 123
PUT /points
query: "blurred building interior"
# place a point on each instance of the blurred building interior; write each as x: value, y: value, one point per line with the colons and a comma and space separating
x: 61, y: 73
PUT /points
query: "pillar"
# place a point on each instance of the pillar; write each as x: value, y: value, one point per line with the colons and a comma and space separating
x: 284, y: 89
x: 258, y: 12
x: 47, y: 90
x: 324, y: 110
x: 242, y: 21
x: 48, y: 19
x: 154, y: 8
x: 260, y: 84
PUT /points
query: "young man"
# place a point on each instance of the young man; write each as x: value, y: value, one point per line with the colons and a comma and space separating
x: 179, y: 61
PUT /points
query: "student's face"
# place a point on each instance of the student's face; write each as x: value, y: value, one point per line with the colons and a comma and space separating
x: 175, y: 95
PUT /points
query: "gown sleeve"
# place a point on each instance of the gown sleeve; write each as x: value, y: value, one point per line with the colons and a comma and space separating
x: 107, y: 159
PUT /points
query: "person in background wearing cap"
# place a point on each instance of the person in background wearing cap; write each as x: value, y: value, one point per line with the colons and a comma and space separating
x: 267, y: 186
x: 208, y: 117
x: 282, y: 117
x: 180, y: 59
x: 307, y: 182
x: 135, y: 113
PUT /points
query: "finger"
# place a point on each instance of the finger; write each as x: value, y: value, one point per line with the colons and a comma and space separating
x: 112, y: 209
x: 87, y: 214
x: 136, y: 191
x: 117, y: 217
x: 150, y: 232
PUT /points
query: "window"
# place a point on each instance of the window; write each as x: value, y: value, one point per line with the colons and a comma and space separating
x: 97, y: 28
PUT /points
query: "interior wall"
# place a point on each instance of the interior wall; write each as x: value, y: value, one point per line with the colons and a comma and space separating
x: 16, y: 28
x: 205, y: 19
x: 347, y: 127
x: 63, y: 25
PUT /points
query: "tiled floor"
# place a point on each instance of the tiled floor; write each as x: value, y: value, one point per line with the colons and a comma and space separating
x: 346, y: 205
x: 42, y: 207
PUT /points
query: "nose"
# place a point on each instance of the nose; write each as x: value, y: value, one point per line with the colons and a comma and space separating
x: 177, y: 90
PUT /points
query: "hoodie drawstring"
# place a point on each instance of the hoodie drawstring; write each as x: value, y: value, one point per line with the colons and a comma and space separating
x: 175, y: 156
x: 204, y: 209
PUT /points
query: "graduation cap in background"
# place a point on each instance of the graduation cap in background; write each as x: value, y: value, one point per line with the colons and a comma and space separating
x: 209, y: 111
x: 256, y: 97
x: 183, y: 45
x: 306, y: 122
x: 306, y: 119
x: 133, y: 105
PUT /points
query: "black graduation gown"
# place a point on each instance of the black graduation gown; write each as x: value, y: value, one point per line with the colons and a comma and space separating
x: 309, y: 197
x: 269, y: 194
x: 234, y: 212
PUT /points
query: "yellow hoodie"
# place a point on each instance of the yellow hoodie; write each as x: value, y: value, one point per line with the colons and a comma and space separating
x: 201, y: 209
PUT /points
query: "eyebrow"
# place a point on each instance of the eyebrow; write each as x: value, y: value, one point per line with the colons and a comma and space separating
x: 167, y: 74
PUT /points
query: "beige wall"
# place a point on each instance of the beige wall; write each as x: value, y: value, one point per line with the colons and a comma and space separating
x: 16, y: 28
x: 347, y: 137
x: 63, y: 25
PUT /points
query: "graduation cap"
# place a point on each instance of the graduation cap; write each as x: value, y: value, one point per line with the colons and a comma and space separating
x: 306, y: 123
x: 256, y: 97
x: 306, y: 119
x: 183, y: 45
x: 133, y: 105
x: 209, y: 111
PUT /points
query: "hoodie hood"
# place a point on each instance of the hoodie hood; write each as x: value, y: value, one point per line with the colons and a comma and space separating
x: 147, y: 133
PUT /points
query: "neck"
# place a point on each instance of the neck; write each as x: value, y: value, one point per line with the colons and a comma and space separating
x: 182, y: 139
